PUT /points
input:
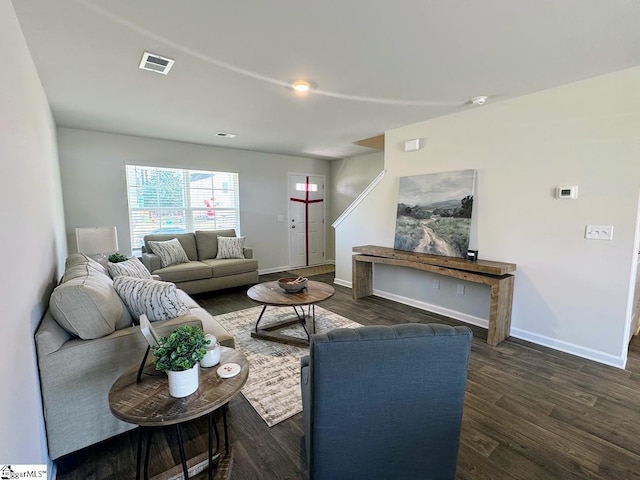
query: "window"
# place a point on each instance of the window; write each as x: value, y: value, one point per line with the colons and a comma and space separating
x: 170, y: 200
x: 306, y: 187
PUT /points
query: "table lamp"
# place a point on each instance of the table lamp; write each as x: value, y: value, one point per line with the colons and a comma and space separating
x: 97, y: 242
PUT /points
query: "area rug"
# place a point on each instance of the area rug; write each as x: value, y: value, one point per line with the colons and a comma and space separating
x: 311, y: 271
x: 273, y: 386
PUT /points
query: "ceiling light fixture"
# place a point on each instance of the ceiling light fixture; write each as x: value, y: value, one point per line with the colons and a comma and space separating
x: 226, y: 135
x: 301, y: 86
x: 481, y: 100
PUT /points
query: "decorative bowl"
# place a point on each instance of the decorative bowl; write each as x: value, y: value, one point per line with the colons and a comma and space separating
x: 292, y: 284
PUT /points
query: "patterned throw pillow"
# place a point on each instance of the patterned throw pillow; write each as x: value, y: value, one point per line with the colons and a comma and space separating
x: 170, y: 252
x: 230, y: 247
x: 157, y: 300
x: 129, y: 268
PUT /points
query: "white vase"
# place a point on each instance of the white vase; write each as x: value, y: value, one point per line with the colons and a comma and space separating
x: 183, y: 383
x: 212, y: 356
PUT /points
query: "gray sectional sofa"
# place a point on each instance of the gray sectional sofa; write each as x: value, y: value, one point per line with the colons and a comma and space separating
x: 85, y: 341
x: 204, y: 272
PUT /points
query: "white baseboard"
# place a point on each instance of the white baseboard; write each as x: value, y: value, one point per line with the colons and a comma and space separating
x: 545, y: 341
x: 286, y: 268
x: 272, y: 270
x: 429, y: 307
x: 572, y: 348
x: 343, y: 283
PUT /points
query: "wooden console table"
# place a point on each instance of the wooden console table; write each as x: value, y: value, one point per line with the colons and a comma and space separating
x: 496, y: 275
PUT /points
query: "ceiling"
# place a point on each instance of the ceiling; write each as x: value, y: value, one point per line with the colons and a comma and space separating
x: 375, y: 65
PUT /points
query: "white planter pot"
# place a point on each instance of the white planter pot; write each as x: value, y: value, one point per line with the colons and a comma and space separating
x: 184, y: 383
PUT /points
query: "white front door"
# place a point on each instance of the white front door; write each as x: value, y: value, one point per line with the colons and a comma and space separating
x: 306, y: 220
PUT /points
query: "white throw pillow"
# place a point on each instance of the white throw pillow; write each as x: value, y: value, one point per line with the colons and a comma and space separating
x: 157, y: 300
x: 170, y: 252
x: 230, y: 247
x: 129, y: 268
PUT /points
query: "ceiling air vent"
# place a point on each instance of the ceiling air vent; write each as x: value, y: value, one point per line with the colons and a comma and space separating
x: 156, y: 63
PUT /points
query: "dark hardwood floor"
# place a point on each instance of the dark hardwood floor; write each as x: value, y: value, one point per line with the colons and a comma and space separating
x: 530, y: 413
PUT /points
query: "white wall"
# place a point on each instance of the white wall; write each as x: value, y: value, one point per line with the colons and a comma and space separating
x: 94, y: 185
x: 349, y: 177
x: 570, y: 293
x: 33, y: 241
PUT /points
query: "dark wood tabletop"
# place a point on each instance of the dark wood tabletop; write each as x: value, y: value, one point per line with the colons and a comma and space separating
x: 270, y: 293
x: 149, y: 404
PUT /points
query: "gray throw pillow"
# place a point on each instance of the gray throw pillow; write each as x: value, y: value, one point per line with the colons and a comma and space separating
x: 170, y: 252
x: 129, y: 268
x: 230, y: 247
x: 86, y: 305
x: 157, y: 300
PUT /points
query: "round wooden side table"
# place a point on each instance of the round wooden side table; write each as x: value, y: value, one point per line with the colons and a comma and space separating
x: 147, y: 403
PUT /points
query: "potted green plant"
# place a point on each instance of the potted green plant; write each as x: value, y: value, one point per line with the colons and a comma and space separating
x: 179, y: 355
x: 117, y: 257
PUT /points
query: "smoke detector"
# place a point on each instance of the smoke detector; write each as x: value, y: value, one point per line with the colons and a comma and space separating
x: 156, y: 63
x: 481, y: 100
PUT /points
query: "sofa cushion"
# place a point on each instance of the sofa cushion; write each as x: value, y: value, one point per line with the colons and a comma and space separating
x: 232, y: 266
x: 230, y: 247
x: 185, y: 272
x: 82, y: 259
x: 157, y: 300
x: 207, y: 242
x: 169, y: 251
x: 86, y: 305
x: 187, y: 240
x: 132, y: 267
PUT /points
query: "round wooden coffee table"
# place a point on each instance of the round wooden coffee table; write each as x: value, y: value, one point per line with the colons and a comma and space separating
x: 270, y: 294
x: 147, y: 403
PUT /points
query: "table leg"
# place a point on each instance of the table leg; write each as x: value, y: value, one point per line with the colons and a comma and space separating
x: 301, y: 314
x: 139, y: 454
x: 226, y: 432
x: 183, y: 457
x: 141, y: 433
x: 260, y: 317
x: 146, y: 454
x: 215, y: 429
x: 312, y: 314
x: 210, y: 467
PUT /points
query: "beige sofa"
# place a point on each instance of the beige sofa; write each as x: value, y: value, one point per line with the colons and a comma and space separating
x: 84, y: 343
x: 204, y: 272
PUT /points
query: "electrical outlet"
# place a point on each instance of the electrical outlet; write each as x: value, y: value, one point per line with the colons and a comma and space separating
x: 598, y: 232
x: 436, y: 284
x: 460, y: 289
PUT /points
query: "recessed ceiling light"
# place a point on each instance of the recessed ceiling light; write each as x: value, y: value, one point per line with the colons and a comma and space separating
x: 481, y: 100
x: 226, y: 135
x: 301, y: 86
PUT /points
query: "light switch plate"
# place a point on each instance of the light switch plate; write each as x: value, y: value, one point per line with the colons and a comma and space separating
x: 598, y: 232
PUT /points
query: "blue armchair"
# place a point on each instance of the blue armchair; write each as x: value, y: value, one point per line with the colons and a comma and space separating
x: 385, y: 402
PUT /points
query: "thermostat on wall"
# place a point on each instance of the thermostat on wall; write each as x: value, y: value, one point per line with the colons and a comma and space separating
x: 567, y: 192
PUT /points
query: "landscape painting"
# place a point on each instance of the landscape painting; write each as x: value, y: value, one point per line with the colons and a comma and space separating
x: 434, y: 213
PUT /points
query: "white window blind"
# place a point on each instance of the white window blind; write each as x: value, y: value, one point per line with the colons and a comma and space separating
x: 170, y: 200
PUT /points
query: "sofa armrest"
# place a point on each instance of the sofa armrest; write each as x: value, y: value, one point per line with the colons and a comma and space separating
x: 75, y: 380
x: 50, y: 336
x: 248, y: 252
x: 304, y: 361
x: 151, y: 261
